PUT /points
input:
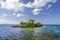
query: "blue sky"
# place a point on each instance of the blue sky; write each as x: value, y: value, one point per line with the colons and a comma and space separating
x: 15, y: 11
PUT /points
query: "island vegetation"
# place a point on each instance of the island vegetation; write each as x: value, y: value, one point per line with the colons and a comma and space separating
x: 30, y: 23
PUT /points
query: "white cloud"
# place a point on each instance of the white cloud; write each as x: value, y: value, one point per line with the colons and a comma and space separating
x: 14, y: 14
x: 36, y: 11
x: 20, y: 15
x: 49, y: 6
x: 12, y: 5
x: 40, y: 4
x: 4, y: 21
x: 4, y: 15
x: 19, y: 6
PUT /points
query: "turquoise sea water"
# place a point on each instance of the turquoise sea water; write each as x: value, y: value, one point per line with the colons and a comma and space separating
x: 9, y: 33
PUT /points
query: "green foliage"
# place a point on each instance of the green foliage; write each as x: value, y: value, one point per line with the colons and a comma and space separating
x: 31, y: 23
x: 23, y: 23
x: 38, y: 24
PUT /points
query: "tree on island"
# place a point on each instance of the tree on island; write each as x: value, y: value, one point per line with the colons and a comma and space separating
x: 31, y: 23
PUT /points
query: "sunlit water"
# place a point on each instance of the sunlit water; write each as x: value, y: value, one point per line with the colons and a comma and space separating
x: 46, y: 32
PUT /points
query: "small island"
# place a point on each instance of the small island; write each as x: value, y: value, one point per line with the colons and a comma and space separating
x: 28, y: 24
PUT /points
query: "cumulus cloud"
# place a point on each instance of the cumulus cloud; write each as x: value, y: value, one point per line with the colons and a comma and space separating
x: 49, y: 6
x: 14, y: 14
x: 40, y: 4
x: 36, y: 11
x: 12, y: 5
x: 18, y: 14
x: 17, y: 5
x: 4, y: 21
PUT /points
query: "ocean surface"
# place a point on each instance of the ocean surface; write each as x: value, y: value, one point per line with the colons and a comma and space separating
x: 46, y: 32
